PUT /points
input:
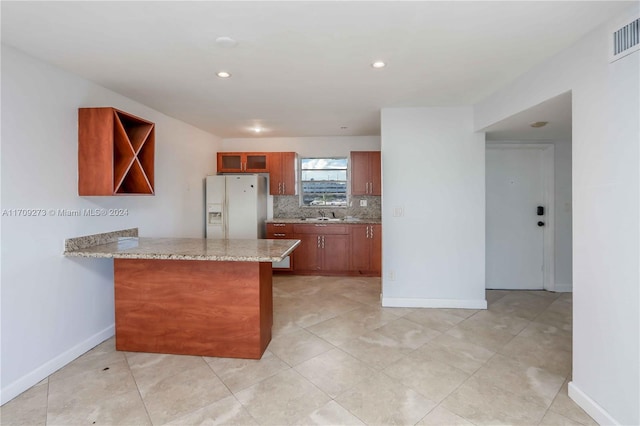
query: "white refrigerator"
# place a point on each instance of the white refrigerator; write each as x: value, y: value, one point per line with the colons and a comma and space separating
x: 236, y: 206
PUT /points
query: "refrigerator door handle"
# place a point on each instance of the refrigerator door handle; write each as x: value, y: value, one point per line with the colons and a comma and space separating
x: 225, y: 211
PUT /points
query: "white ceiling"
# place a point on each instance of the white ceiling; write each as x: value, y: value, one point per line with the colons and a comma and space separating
x: 299, y: 68
x: 555, y: 111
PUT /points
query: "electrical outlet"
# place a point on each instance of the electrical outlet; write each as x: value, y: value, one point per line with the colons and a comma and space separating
x: 398, y: 211
x: 363, y: 203
x: 392, y: 275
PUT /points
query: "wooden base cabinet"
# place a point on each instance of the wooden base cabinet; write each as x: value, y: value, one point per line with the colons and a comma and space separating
x: 366, y: 249
x: 332, y: 249
x: 323, y: 249
x: 281, y: 231
x: 307, y: 253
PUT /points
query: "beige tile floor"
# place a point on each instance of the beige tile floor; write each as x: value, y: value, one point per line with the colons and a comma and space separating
x: 337, y: 358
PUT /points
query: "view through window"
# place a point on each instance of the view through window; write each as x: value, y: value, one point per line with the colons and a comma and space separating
x: 324, y: 181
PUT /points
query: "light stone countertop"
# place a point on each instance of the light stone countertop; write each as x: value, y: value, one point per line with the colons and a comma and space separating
x: 328, y: 222
x: 189, y: 249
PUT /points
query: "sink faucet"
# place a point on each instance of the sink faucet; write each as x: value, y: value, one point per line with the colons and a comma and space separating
x: 321, y: 213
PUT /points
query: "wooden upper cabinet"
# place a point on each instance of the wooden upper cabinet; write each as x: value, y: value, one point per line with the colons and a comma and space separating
x: 116, y: 153
x: 366, y: 173
x: 283, y: 173
x: 243, y: 162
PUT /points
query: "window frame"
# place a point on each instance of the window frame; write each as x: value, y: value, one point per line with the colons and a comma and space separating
x: 346, y: 182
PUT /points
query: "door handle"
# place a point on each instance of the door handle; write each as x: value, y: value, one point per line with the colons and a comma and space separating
x: 540, y: 223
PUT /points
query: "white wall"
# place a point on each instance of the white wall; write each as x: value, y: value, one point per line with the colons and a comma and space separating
x: 433, y: 169
x: 562, y: 213
x: 55, y: 308
x: 606, y: 213
x: 305, y: 146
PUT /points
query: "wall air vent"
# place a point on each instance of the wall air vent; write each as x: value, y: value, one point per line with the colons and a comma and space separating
x: 625, y: 40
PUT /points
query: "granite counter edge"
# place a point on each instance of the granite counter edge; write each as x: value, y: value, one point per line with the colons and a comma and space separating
x: 74, y: 248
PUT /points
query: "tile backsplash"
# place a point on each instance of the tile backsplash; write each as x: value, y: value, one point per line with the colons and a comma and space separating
x: 289, y: 207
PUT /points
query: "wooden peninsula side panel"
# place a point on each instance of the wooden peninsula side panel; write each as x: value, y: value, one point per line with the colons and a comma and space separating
x: 221, y: 309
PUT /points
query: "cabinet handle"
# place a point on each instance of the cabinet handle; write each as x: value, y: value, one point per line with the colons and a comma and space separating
x: 367, y: 228
x: 320, y: 224
x: 318, y: 241
x: 371, y: 233
x: 279, y: 235
x: 279, y: 224
x: 323, y: 241
x: 283, y: 190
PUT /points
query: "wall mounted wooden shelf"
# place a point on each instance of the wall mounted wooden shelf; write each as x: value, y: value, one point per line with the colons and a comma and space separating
x: 116, y: 153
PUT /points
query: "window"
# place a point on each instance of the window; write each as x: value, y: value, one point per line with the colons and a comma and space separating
x: 324, y: 182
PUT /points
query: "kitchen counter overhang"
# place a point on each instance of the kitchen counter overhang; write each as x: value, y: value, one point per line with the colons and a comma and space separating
x: 189, y: 249
x: 189, y: 296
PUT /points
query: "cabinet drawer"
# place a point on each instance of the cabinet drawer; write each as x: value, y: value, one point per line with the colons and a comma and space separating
x: 320, y: 228
x: 279, y: 230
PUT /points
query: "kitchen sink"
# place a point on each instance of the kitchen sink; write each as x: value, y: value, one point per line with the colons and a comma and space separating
x: 323, y: 219
x: 331, y: 219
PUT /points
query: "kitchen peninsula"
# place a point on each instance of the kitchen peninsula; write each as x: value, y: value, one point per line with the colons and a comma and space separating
x: 189, y: 296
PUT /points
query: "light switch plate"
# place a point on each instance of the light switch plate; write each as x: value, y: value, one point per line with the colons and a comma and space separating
x: 363, y: 203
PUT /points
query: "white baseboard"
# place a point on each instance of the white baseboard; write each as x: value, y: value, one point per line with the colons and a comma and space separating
x: 399, y: 302
x: 14, y: 389
x: 563, y: 288
x: 592, y: 408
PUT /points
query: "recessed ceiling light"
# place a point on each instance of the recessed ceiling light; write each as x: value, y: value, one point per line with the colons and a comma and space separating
x: 539, y: 123
x: 378, y: 64
x: 223, y: 74
x: 225, y: 41
x: 257, y: 129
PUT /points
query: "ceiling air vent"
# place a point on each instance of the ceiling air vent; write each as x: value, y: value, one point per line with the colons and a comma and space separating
x: 625, y: 40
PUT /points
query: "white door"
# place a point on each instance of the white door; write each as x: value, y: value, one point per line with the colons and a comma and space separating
x: 515, y: 187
